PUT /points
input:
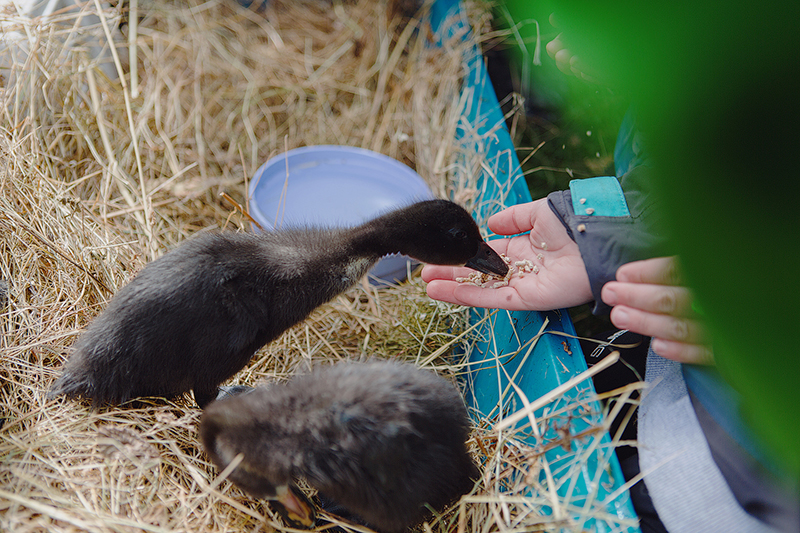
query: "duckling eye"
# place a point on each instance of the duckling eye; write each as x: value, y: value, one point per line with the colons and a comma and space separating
x: 459, y: 234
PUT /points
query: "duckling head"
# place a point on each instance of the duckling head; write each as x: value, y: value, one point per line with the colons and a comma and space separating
x: 442, y: 233
x: 272, y: 480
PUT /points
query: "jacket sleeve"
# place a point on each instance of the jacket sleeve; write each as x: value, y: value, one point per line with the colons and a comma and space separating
x: 613, y: 221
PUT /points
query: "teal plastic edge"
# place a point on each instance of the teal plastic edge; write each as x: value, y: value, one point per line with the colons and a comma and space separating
x: 555, y: 359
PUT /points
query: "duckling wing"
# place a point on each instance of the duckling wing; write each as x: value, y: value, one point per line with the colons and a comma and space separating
x: 363, y: 466
x: 385, y: 463
x: 385, y: 454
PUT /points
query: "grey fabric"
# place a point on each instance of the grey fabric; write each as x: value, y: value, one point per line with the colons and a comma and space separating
x: 686, y: 486
x: 757, y: 491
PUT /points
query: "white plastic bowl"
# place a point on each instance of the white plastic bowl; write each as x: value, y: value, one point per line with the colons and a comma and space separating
x: 335, y: 186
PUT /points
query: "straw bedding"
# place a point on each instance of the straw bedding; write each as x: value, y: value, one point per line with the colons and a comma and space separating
x: 100, y: 174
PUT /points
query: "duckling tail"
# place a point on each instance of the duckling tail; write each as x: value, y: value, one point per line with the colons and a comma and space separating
x: 71, y: 386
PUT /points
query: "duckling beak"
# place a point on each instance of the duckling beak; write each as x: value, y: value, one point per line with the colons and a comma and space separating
x: 488, y: 261
x: 294, y: 507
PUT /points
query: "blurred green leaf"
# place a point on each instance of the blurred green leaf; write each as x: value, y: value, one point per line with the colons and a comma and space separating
x: 719, y: 104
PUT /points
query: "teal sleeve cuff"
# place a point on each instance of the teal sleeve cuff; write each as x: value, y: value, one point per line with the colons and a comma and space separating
x: 602, y: 197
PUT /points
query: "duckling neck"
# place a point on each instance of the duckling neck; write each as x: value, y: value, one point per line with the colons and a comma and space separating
x: 388, y: 234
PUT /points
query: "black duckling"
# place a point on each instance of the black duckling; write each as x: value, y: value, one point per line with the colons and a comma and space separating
x: 194, y: 317
x: 382, y: 439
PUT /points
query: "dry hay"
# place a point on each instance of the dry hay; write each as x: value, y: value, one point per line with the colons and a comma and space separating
x: 98, y: 177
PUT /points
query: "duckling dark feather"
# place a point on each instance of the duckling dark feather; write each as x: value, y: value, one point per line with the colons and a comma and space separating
x: 382, y: 439
x: 194, y: 317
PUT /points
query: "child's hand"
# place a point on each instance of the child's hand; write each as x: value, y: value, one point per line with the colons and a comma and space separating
x: 647, y: 298
x: 560, y: 280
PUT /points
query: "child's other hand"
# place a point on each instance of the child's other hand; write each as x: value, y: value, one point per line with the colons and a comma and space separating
x: 647, y: 298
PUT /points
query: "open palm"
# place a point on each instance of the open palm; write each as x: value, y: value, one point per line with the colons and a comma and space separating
x: 561, y: 280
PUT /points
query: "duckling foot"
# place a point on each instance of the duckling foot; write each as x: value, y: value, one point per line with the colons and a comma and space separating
x: 295, y: 507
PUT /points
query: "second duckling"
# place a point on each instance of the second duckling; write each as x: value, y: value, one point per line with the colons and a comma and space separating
x: 383, y: 439
x: 194, y: 317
